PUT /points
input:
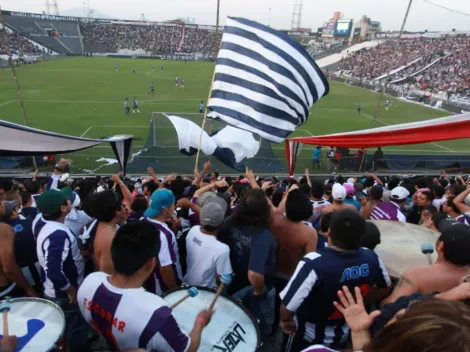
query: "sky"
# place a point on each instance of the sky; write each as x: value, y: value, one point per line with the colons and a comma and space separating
x: 277, y: 13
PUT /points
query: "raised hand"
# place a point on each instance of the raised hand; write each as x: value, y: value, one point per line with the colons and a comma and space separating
x: 353, y: 310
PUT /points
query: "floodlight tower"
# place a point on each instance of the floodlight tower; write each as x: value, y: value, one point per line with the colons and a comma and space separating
x: 297, y: 15
x: 52, y: 8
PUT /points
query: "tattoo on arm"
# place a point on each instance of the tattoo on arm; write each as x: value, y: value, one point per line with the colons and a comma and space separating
x: 404, y: 280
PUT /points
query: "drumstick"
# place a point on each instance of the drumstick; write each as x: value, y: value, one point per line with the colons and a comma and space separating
x: 192, y: 292
x: 427, y: 249
x: 225, y: 279
x: 5, y: 309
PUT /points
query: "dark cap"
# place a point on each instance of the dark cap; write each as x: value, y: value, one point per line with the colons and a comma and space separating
x: 456, y: 240
x: 51, y: 201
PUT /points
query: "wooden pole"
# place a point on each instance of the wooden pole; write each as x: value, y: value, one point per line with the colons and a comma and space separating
x: 13, y: 70
x: 380, y: 100
x: 216, y: 50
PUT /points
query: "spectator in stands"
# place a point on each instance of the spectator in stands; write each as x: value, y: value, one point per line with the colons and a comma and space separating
x: 451, y: 266
x: 134, y: 253
x: 421, y: 198
x: 391, y: 210
x: 207, y: 258
x: 62, y: 263
x: 76, y: 219
x: 451, y: 209
x: 312, y: 290
x: 28, y: 210
x: 317, y: 200
x: 371, y: 238
x: 339, y: 196
x: 168, y: 274
x: 439, y: 196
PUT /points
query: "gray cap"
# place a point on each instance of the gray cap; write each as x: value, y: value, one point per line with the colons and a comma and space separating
x: 9, y: 206
x: 212, y: 214
x: 202, y: 199
x: 217, y: 200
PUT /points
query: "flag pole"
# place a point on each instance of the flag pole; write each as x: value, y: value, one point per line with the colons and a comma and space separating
x: 216, y: 49
x: 13, y: 70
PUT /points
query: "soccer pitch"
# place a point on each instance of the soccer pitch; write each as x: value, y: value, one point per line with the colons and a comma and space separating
x: 84, y: 97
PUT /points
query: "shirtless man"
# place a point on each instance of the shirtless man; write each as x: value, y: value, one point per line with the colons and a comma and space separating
x: 452, y: 249
x: 12, y: 281
x: 339, y: 195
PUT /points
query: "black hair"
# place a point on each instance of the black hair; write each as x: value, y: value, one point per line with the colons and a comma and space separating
x: 430, y: 208
x: 376, y: 192
x: 177, y: 187
x: 151, y: 186
x: 455, y: 250
x: 437, y: 217
x: 393, y: 183
x: 450, y: 203
x: 33, y: 187
x: 370, y: 182
x: 25, y: 197
x: 305, y: 188
x: 298, y: 206
x: 455, y: 189
x: 428, y: 194
x: 134, y: 245
x: 253, y: 210
x: 371, y: 238
x: 325, y: 222
x: 277, y: 198
x: 439, y: 191
x: 139, y: 204
x: 210, y: 228
x: 421, y: 183
x: 444, y: 183
x: 215, y: 173
x: 317, y: 189
x: 347, y: 229
x: 87, y: 189
x: 105, y: 206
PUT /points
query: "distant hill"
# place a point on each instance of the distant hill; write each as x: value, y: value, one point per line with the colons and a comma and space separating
x: 78, y: 12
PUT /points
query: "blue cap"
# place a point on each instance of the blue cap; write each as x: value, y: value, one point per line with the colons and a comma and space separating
x: 160, y: 199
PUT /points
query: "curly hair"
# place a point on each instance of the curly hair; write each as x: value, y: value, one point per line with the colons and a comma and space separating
x: 253, y: 210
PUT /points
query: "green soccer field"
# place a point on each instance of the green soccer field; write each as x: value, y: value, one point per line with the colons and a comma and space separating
x: 85, y: 96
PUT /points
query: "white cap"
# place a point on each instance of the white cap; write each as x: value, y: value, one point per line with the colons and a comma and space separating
x: 338, y: 192
x: 351, y: 180
x: 399, y: 193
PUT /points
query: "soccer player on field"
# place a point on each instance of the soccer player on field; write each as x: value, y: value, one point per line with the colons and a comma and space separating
x: 176, y: 81
x: 152, y: 88
x: 127, y: 109
x: 116, y: 67
x: 387, y: 104
x: 201, y: 107
x: 136, y: 106
x: 359, y: 108
x: 153, y: 68
x: 133, y: 69
x: 161, y: 67
x: 182, y: 83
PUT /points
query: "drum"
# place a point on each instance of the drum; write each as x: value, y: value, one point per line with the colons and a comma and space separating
x: 232, y: 327
x: 400, y: 245
x: 38, y: 323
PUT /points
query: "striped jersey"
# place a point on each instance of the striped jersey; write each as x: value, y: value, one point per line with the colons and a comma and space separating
x: 314, y: 287
x: 169, y: 255
x: 387, y: 211
x: 59, y: 255
x: 318, y: 206
x: 129, y: 318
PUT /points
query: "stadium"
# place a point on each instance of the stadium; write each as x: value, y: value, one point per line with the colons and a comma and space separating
x: 235, y: 186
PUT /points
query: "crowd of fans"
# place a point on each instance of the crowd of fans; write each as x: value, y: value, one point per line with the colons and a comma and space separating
x: 452, y: 72
x: 300, y: 253
x: 158, y: 40
x: 18, y: 45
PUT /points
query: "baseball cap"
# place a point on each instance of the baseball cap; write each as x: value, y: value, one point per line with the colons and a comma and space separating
x: 338, y: 192
x: 9, y: 206
x: 351, y: 180
x: 350, y: 191
x: 72, y: 195
x: 456, y: 239
x: 399, y: 193
x: 204, y: 197
x: 211, y: 214
x: 160, y: 199
x: 217, y: 200
x: 50, y: 202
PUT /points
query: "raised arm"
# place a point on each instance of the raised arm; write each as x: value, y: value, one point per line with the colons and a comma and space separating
x: 376, y: 179
x: 459, y: 201
x: 198, y: 176
x: 250, y: 176
x: 126, y: 194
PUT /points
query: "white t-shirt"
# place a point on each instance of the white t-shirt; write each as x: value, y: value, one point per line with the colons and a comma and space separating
x: 206, y: 257
x: 438, y: 202
x: 130, y: 318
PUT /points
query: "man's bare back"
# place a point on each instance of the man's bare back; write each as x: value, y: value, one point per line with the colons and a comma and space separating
x: 338, y: 207
x: 440, y: 276
x: 294, y: 240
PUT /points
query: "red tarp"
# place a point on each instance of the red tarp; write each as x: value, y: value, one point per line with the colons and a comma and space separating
x: 446, y: 128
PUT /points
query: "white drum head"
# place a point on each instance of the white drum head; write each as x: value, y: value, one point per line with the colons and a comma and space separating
x: 38, y: 323
x: 231, y: 328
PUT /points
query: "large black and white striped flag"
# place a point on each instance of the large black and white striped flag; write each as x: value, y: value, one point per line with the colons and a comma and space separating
x: 265, y: 82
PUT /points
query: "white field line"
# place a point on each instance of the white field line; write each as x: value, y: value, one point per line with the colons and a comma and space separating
x: 145, y: 102
x: 88, y: 130
x: 6, y: 103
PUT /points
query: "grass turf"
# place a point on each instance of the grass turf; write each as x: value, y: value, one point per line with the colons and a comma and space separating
x: 84, y: 97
